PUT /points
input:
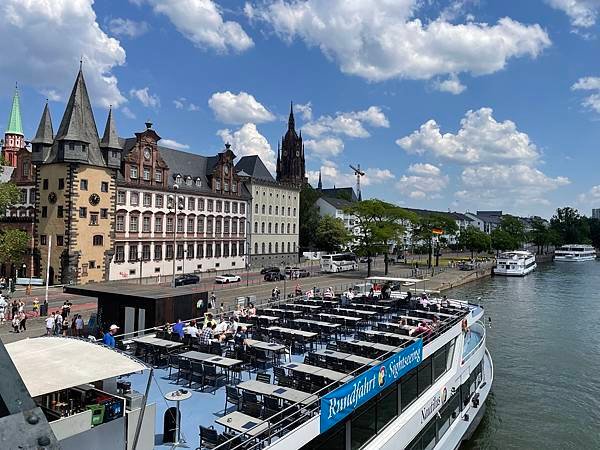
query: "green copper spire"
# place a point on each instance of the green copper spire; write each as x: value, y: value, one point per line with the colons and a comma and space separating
x: 15, y: 125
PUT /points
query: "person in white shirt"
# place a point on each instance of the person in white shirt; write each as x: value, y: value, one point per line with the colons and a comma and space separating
x: 49, y: 325
x: 79, y: 325
x: 191, y: 329
x: 3, y: 305
x: 222, y: 327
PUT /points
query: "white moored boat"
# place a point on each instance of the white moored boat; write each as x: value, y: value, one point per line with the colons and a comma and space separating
x: 515, y: 263
x: 575, y: 253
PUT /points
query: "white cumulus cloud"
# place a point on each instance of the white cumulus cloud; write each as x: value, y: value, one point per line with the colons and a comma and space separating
x: 592, y: 85
x: 480, y: 139
x: 202, y: 23
x: 248, y: 141
x: 423, y: 181
x: 174, y: 144
x: 591, y: 196
x: 50, y: 38
x: 424, y: 169
x: 144, y: 96
x: 582, y: 13
x: 332, y: 175
x: 384, y: 39
x: 238, y: 108
x: 305, y: 110
x: 351, y: 124
x: 325, y: 148
x: 127, y: 27
x: 182, y: 103
x: 451, y: 85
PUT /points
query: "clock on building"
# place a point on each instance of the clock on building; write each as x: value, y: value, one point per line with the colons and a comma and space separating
x: 52, y: 197
x: 146, y: 153
x: 94, y: 199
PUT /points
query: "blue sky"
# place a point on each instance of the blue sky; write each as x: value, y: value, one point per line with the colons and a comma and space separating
x: 447, y: 104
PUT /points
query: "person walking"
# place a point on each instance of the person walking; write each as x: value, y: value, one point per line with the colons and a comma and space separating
x: 58, y: 320
x: 3, y: 306
x: 15, y: 323
x: 50, y: 324
x: 44, y: 308
x: 36, y: 307
x: 14, y: 308
x: 23, y: 321
x: 78, y: 325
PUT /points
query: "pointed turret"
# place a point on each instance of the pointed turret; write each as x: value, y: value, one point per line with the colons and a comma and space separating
x: 15, y: 125
x: 291, y: 120
x: 77, y: 136
x: 110, y: 145
x: 320, y: 184
x: 45, y: 132
x: 14, y: 139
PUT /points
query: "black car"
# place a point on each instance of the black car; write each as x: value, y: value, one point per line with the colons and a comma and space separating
x: 189, y: 278
x: 274, y: 276
x: 269, y: 269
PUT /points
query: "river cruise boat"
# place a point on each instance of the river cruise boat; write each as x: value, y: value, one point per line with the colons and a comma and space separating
x: 515, y: 263
x: 575, y: 253
x: 315, y: 373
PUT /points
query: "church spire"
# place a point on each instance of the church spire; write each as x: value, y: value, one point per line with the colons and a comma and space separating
x: 291, y: 120
x: 15, y: 125
x: 45, y: 133
x: 110, y: 139
x: 320, y: 185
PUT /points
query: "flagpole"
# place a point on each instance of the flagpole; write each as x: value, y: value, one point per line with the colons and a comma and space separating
x: 48, y: 266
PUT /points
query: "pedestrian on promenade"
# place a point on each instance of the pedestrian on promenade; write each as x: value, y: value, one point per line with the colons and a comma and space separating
x: 213, y: 300
x: 36, y: 307
x: 14, y: 308
x: 58, y: 320
x: 44, y: 308
x: 21, y: 307
x: 23, y: 321
x: 50, y: 324
x: 109, y: 337
x: 78, y: 325
x: 15, y: 323
x: 3, y: 306
x: 73, y: 319
x: 64, y: 311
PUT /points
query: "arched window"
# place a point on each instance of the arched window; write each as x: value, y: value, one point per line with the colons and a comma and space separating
x: 256, y: 227
x: 276, y: 210
x: 270, y: 209
x: 294, y: 228
x: 270, y: 248
x: 276, y: 228
x: 288, y: 228
x: 263, y: 248
x: 98, y: 239
x: 256, y: 248
x: 264, y: 209
x: 283, y: 247
x: 262, y: 227
x: 270, y: 229
x: 276, y: 247
x: 282, y: 228
x: 256, y: 208
x: 288, y: 247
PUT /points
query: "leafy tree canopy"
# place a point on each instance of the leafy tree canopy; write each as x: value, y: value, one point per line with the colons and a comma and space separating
x: 331, y: 235
x: 13, y: 245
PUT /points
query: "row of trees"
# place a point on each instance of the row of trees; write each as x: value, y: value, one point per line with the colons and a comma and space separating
x: 13, y: 242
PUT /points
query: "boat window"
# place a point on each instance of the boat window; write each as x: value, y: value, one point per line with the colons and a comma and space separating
x: 429, y: 436
x: 409, y: 388
x: 364, y: 427
x: 439, y: 363
x: 450, y: 353
x: 424, y: 375
x: 387, y: 407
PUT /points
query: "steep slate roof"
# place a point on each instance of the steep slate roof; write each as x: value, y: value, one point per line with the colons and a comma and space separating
x: 254, y: 167
x: 15, y: 125
x: 78, y: 123
x: 45, y: 133
x: 337, y: 203
x: 110, y: 139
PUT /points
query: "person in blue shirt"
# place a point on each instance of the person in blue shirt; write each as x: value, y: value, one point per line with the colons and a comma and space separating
x: 178, y: 328
x: 109, y: 336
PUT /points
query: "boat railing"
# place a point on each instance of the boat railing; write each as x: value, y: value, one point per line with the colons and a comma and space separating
x: 479, y: 329
x: 302, y: 412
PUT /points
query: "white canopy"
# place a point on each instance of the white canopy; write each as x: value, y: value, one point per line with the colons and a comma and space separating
x: 396, y: 280
x: 50, y: 364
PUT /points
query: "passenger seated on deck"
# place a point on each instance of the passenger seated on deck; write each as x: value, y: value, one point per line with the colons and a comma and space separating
x: 191, y: 329
x: 207, y: 334
x: 421, y: 329
x: 435, y: 324
x: 445, y: 303
x: 223, y: 326
x: 424, y: 301
x: 404, y: 324
x: 328, y: 293
x: 251, y: 310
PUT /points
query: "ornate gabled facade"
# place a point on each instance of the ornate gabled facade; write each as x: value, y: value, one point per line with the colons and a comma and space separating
x: 290, y: 155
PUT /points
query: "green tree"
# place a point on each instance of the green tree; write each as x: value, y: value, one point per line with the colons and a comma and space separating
x: 474, y: 239
x: 514, y: 227
x: 380, y: 224
x: 331, y: 235
x: 540, y: 234
x: 501, y: 240
x: 423, y: 231
x: 571, y: 226
x: 594, y: 225
x: 308, y: 217
x: 13, y: 245
x: 9, y: 194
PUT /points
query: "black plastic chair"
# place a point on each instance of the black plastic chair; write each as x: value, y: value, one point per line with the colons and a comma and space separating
x: 263, y: 377
x: 209, y: 438
x: 232, y: 396
x: 278, y: 372
x: 270, y: 402
x: 173, y: 363
x: 211, y: 377
x: 184, y: 371
x: 252, y: 409
x: 249, y: 397
x: 197, y: 373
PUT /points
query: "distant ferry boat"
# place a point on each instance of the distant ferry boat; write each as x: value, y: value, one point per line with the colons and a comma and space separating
x: 516, y: 263
x: 575, y: 253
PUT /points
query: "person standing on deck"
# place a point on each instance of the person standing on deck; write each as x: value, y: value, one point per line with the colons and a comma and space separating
x: 109, y: 337
x: 50, y: 324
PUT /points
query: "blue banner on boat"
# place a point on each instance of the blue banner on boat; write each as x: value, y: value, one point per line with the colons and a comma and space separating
x: 339, y: 403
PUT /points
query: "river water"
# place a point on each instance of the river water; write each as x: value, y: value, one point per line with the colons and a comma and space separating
x: 544, y: 339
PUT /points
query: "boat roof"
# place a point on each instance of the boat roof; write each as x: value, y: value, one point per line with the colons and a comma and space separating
x: 397, y: 280
x: 53, y: 363
x: 517, y: 252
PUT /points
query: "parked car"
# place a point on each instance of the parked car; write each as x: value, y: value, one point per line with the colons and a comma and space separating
x: 364, y: 259
x: 189, y: 278
x: 289, y: 270
x: 303, y: 273
x: 274, y: 276
x: 269, y: 269
x: 228, y: 278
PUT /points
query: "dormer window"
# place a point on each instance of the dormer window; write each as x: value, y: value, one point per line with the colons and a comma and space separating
x: 133, y: 172
x: 218, y: 185
x: 178, y: 179
x: 198, y: 182
x: 234, y: 187
x: 158, y: 176
x: 188, y: 181
x: 226, y: 186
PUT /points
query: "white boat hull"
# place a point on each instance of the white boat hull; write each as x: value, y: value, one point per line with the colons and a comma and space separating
x: 574, y: 259
x: 515, y: 273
